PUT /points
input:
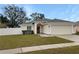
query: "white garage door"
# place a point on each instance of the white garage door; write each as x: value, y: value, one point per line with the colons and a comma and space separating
x: 61, y: 29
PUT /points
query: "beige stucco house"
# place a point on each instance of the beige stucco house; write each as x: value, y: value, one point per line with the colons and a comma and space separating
x: 77, y: 26
x: 48, y: 26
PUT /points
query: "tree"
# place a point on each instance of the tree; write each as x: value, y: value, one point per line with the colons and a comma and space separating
x: 3, y: 19
x: 37, y: 16
x: 15, y: 14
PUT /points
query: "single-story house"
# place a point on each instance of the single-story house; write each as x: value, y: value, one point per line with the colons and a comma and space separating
x: 48, y: 26
x: 77, y: 26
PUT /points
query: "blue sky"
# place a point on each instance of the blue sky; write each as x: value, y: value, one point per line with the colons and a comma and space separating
x: 60, y: 11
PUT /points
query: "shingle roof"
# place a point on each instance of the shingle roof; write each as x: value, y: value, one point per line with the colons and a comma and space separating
x: 52, y: 20
x: 77, y: 23
x: 57, y: 20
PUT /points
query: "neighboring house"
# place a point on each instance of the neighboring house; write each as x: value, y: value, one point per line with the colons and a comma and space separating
x: 77, y: 26
x: 47, y: 26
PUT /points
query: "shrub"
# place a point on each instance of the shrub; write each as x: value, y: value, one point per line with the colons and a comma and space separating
x: 77, y: 33
x: 27, y: 32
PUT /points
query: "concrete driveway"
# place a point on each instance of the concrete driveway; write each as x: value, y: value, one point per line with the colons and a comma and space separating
x: 74, y: 38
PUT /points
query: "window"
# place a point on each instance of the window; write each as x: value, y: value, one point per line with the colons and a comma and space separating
x: 28, y: 27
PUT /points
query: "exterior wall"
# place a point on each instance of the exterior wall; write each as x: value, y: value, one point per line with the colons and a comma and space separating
x: 41, y: 29
x: 59, y: 28
x: 52, y: 28
x: 46, y: 29
x: 73, y: 29
x: 10, y: 31
x: 77, y: 28
x: 24, y: 26
x: 35, y: 28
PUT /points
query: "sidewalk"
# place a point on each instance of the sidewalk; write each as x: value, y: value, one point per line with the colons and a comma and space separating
x: 35, y: 48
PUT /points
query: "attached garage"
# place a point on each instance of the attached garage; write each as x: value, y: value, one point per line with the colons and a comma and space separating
x: 61, y: 29
x: 58, y: 27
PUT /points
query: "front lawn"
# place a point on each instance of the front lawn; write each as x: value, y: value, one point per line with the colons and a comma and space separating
x: 77, y: 33
x: 66, y: 50
x: 15, y: 41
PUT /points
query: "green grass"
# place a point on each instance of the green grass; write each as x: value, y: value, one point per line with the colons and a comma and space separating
x: 15, y: 41
x: 66, y: 50
x: 77, y: 33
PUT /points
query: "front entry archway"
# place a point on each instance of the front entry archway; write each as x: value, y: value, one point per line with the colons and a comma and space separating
x: 39, y: 28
